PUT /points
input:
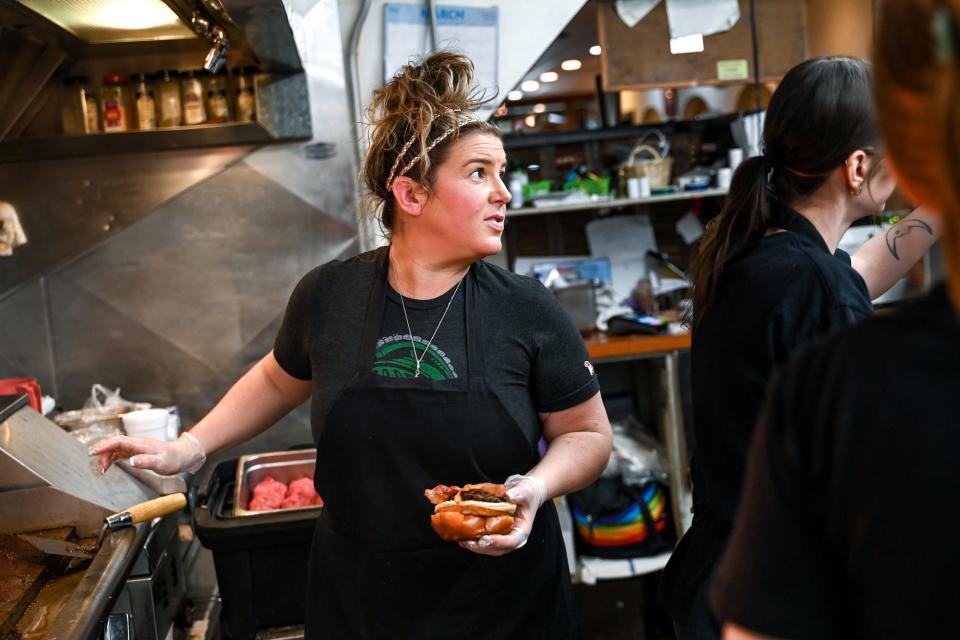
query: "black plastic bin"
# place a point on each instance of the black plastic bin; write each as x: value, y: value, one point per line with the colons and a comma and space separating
x: 261, y: 560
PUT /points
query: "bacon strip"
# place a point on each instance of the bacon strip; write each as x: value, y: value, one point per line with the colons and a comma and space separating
x: 441, y: 493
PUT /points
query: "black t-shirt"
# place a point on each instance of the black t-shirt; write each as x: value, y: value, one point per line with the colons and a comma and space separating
x: 536, y: 360
x: 778, y: 295
x: 849, y: 525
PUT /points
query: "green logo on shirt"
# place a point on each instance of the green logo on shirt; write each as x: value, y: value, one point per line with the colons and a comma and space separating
x: 394, y: 359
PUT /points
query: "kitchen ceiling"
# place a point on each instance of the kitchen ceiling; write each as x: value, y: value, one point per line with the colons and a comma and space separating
x: 574, y: 42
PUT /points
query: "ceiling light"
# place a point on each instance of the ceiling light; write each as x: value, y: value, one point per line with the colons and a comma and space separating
x: 101, y: 21
x: 687, y: 44
x: 530, y: 86
x: 571, y: 65
x: 515, y: 95
x: 595, y: 50
x: 530, y: 121
x: 549, y: 76
x: 539, y: 107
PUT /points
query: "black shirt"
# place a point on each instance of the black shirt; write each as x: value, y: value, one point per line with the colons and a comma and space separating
x: 779, y: 294
x: 536, y: 360
x: 849, y: 525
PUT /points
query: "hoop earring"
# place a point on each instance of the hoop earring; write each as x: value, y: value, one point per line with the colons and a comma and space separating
x: 858, y: 191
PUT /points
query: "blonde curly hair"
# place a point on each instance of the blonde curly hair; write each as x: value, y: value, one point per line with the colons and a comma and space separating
x: 412, y: 122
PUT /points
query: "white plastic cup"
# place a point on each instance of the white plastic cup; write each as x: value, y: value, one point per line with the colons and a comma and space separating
x: 644, y: 187
x: 724, y: 176
x: 146, y: 423
x: 516, y: 194
x: 633, y: 187
x: 734, y: 158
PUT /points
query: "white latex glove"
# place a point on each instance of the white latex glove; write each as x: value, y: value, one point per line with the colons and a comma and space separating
x: 161, y: 456
x: 529, y: 493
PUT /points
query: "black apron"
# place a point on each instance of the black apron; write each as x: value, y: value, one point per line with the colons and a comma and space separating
x: 377, y: 569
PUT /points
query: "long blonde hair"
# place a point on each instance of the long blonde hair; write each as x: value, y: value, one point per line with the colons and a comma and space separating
x: 413, y: 120
x: 917, y: 72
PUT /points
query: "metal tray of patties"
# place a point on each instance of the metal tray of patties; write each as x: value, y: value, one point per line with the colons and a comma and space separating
x: 284, y: 466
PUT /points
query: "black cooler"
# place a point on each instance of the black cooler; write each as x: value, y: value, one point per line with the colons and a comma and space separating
x: 261, y: 557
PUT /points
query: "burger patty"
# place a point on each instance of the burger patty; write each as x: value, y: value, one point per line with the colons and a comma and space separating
x: 481, y: 496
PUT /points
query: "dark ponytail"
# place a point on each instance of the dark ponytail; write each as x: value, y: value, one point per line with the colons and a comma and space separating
x: 820, y: 114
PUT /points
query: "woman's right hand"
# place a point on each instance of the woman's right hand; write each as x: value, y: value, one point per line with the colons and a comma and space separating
x: 161, y: 456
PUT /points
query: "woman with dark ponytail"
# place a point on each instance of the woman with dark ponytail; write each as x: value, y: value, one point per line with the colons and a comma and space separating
x: 769, y: 280
x: 847, y: 527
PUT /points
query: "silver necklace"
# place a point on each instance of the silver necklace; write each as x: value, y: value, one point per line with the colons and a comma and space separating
x: 413, y: 347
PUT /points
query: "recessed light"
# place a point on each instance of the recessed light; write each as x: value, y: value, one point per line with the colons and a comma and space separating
x: 549, y: 76
x: 515, y: 95
x: 539, y: 107
x: 571, y: 65
x: 530, y: 86
x: 595, y: 50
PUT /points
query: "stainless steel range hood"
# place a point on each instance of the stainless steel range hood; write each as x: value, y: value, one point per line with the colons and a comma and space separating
x: 42, y: 40
x: 105, y: 21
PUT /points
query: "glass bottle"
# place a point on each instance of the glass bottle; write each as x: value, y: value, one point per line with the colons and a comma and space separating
x: 113, y: 103
x: 192, y: 90
x: 92, y: 109
x: 245, y: 97
x: 168, y: 94
x: 218, y: 107
x: 146, y: 106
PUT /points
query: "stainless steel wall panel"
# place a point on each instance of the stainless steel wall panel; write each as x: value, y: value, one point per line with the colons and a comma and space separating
x: 330, y: 184
x: 25, y: 348
x: 68, y: 205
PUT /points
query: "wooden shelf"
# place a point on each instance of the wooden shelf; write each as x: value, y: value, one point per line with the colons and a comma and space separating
x: 189, y: 137
x: 616, y: 203
x: 602, y: 346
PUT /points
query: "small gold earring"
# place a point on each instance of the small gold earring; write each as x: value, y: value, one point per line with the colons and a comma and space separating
x: 857, y: 192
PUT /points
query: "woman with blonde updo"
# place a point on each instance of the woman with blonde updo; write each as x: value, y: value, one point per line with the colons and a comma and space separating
x: 847, y: 527
x: 425, y: 366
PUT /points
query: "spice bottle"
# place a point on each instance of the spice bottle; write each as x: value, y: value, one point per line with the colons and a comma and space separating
x: 192, y: 90
x: 146, y: 107
x: 168, y: 95
x: 91, y: 109
x: 218, y: 108
x: 113, y: 103
x: 245, y: 97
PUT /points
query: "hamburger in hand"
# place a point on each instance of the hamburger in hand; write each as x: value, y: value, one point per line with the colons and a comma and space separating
x: 471, y: 512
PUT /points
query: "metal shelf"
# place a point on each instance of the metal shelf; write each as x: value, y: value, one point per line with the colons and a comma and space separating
x: 191, y: 137
x: 525, y: 141
x: 616, y: 203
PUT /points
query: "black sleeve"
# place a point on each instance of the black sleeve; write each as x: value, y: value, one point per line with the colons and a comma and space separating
x: 562, y: 375
x: 777, y: 576
x: 292, y: 346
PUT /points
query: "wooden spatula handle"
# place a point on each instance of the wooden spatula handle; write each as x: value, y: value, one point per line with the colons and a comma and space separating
x: 146, y: 511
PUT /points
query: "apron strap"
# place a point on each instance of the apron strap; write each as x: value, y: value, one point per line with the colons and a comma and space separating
x: 476, y: 366
x: 374, y: 316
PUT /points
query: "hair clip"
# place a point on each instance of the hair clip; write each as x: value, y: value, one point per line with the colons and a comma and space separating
x: 943, y: 28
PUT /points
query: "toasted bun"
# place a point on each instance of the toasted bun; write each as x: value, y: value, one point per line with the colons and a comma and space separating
x: 454, y: 526
x: 477, y: 508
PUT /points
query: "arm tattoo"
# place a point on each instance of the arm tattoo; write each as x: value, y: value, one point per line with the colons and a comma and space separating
x: 898, y: 231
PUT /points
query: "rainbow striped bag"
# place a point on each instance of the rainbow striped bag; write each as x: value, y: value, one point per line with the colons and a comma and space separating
x: 616, y: 520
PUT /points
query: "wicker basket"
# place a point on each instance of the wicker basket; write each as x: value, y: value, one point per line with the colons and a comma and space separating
x: 656, y: 168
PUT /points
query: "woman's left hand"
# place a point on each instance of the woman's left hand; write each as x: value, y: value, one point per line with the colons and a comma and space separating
x: 529, y: 493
